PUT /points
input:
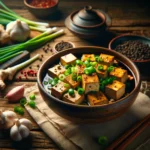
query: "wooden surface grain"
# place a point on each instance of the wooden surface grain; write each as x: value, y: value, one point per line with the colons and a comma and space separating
x: 127, y: 17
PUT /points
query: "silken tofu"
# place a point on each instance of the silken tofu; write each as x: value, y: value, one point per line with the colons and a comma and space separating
x: 74, y: 99
x: 90, y: 83
x: 56, y: 71
x: 68, y: 59
x: 107, y: 59
x: 59, y: 89
x: 71, y: 82
x: 120, y: 74
x: 115, y: 90
x: 102, y: 73
x: 97, y: 98
x: 85, y: 57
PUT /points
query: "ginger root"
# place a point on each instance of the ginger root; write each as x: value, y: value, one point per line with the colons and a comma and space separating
x: 10, y: 72
x: 4, y: 36
x: 6, y: 74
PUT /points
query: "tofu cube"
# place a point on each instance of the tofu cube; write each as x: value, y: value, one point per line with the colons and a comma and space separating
x: 97, y: 98
x: 90, y: 83
x: 59, y: 89
x: 120, y: 74
x: 80, y: 69
x: 107, y: 59
x: 71, y: 82
x: 88, y: 56
x: 74, y: 99
x: 115, y: 90
x: 56, y: 71
x: 68, y: 59
x: 102, y: 73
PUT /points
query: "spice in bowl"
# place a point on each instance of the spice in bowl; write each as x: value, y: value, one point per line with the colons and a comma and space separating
x: 135, y: 50
x: 63, y: 45
x: 42, y: 3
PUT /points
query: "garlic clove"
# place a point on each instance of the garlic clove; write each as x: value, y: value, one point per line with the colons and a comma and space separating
x: 10, y: 114
x: 14, y: 133
x: 26, y: 122
x: 7, y: 119
x: 24, y: 131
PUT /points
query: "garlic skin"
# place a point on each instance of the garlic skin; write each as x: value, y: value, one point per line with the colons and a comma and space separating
x: 20, y: 130
x: 18, y: 30
x: 7, y: 119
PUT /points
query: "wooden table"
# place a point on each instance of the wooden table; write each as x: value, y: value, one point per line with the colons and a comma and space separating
x: 127, y: 17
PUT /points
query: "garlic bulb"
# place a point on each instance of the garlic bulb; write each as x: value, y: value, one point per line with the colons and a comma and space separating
x: 18, y: 30
x: 7, y: 119
x: 21, y: 129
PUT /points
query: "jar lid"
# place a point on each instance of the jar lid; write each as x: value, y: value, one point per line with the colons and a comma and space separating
x: 88, y: 18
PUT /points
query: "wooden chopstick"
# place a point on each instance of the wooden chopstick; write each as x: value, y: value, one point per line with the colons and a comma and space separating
x: 129, y: 136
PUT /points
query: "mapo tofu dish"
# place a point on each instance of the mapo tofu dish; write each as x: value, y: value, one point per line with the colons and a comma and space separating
x: 89, y: 79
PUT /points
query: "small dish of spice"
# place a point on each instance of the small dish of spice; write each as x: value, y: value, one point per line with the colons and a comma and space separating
x: 63, y: 45
x: 136, y: 48
x: 43, y: 3
x: 42, y: 8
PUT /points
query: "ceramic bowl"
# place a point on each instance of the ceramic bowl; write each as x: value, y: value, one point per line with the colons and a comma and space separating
x: 142, y: 64
x: 83, y: 113
x: 62, y: 47
x: 42, y: 12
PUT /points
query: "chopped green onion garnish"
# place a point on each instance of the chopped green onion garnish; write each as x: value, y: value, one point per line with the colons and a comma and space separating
x: 32, y: 104
x: 71, y: 92
x: 100, y: 59
x: 110, y: 68
x: 54, y: 83
x: 56, y: 79
x: 80, y: 91
x: 66, y: 85
x: 93, y: 64
x: 74, y: 77
x: 32, y: 97
x: 89, y: 70
x: 79, y: 78
x: 45, y: 82
x: 19, y: 110
x: 61, y: 77
x: 23, y: 101
x: 73, y: 69
x: 78, y: 62
x: 67, y: 66
x: 100, y: 67
x: 103, y: 140
x: 87, y: 63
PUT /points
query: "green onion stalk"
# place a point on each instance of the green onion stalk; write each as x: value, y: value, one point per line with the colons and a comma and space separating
x: 11, y: 51
x: 12, y: 47
x: 7, y: 15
